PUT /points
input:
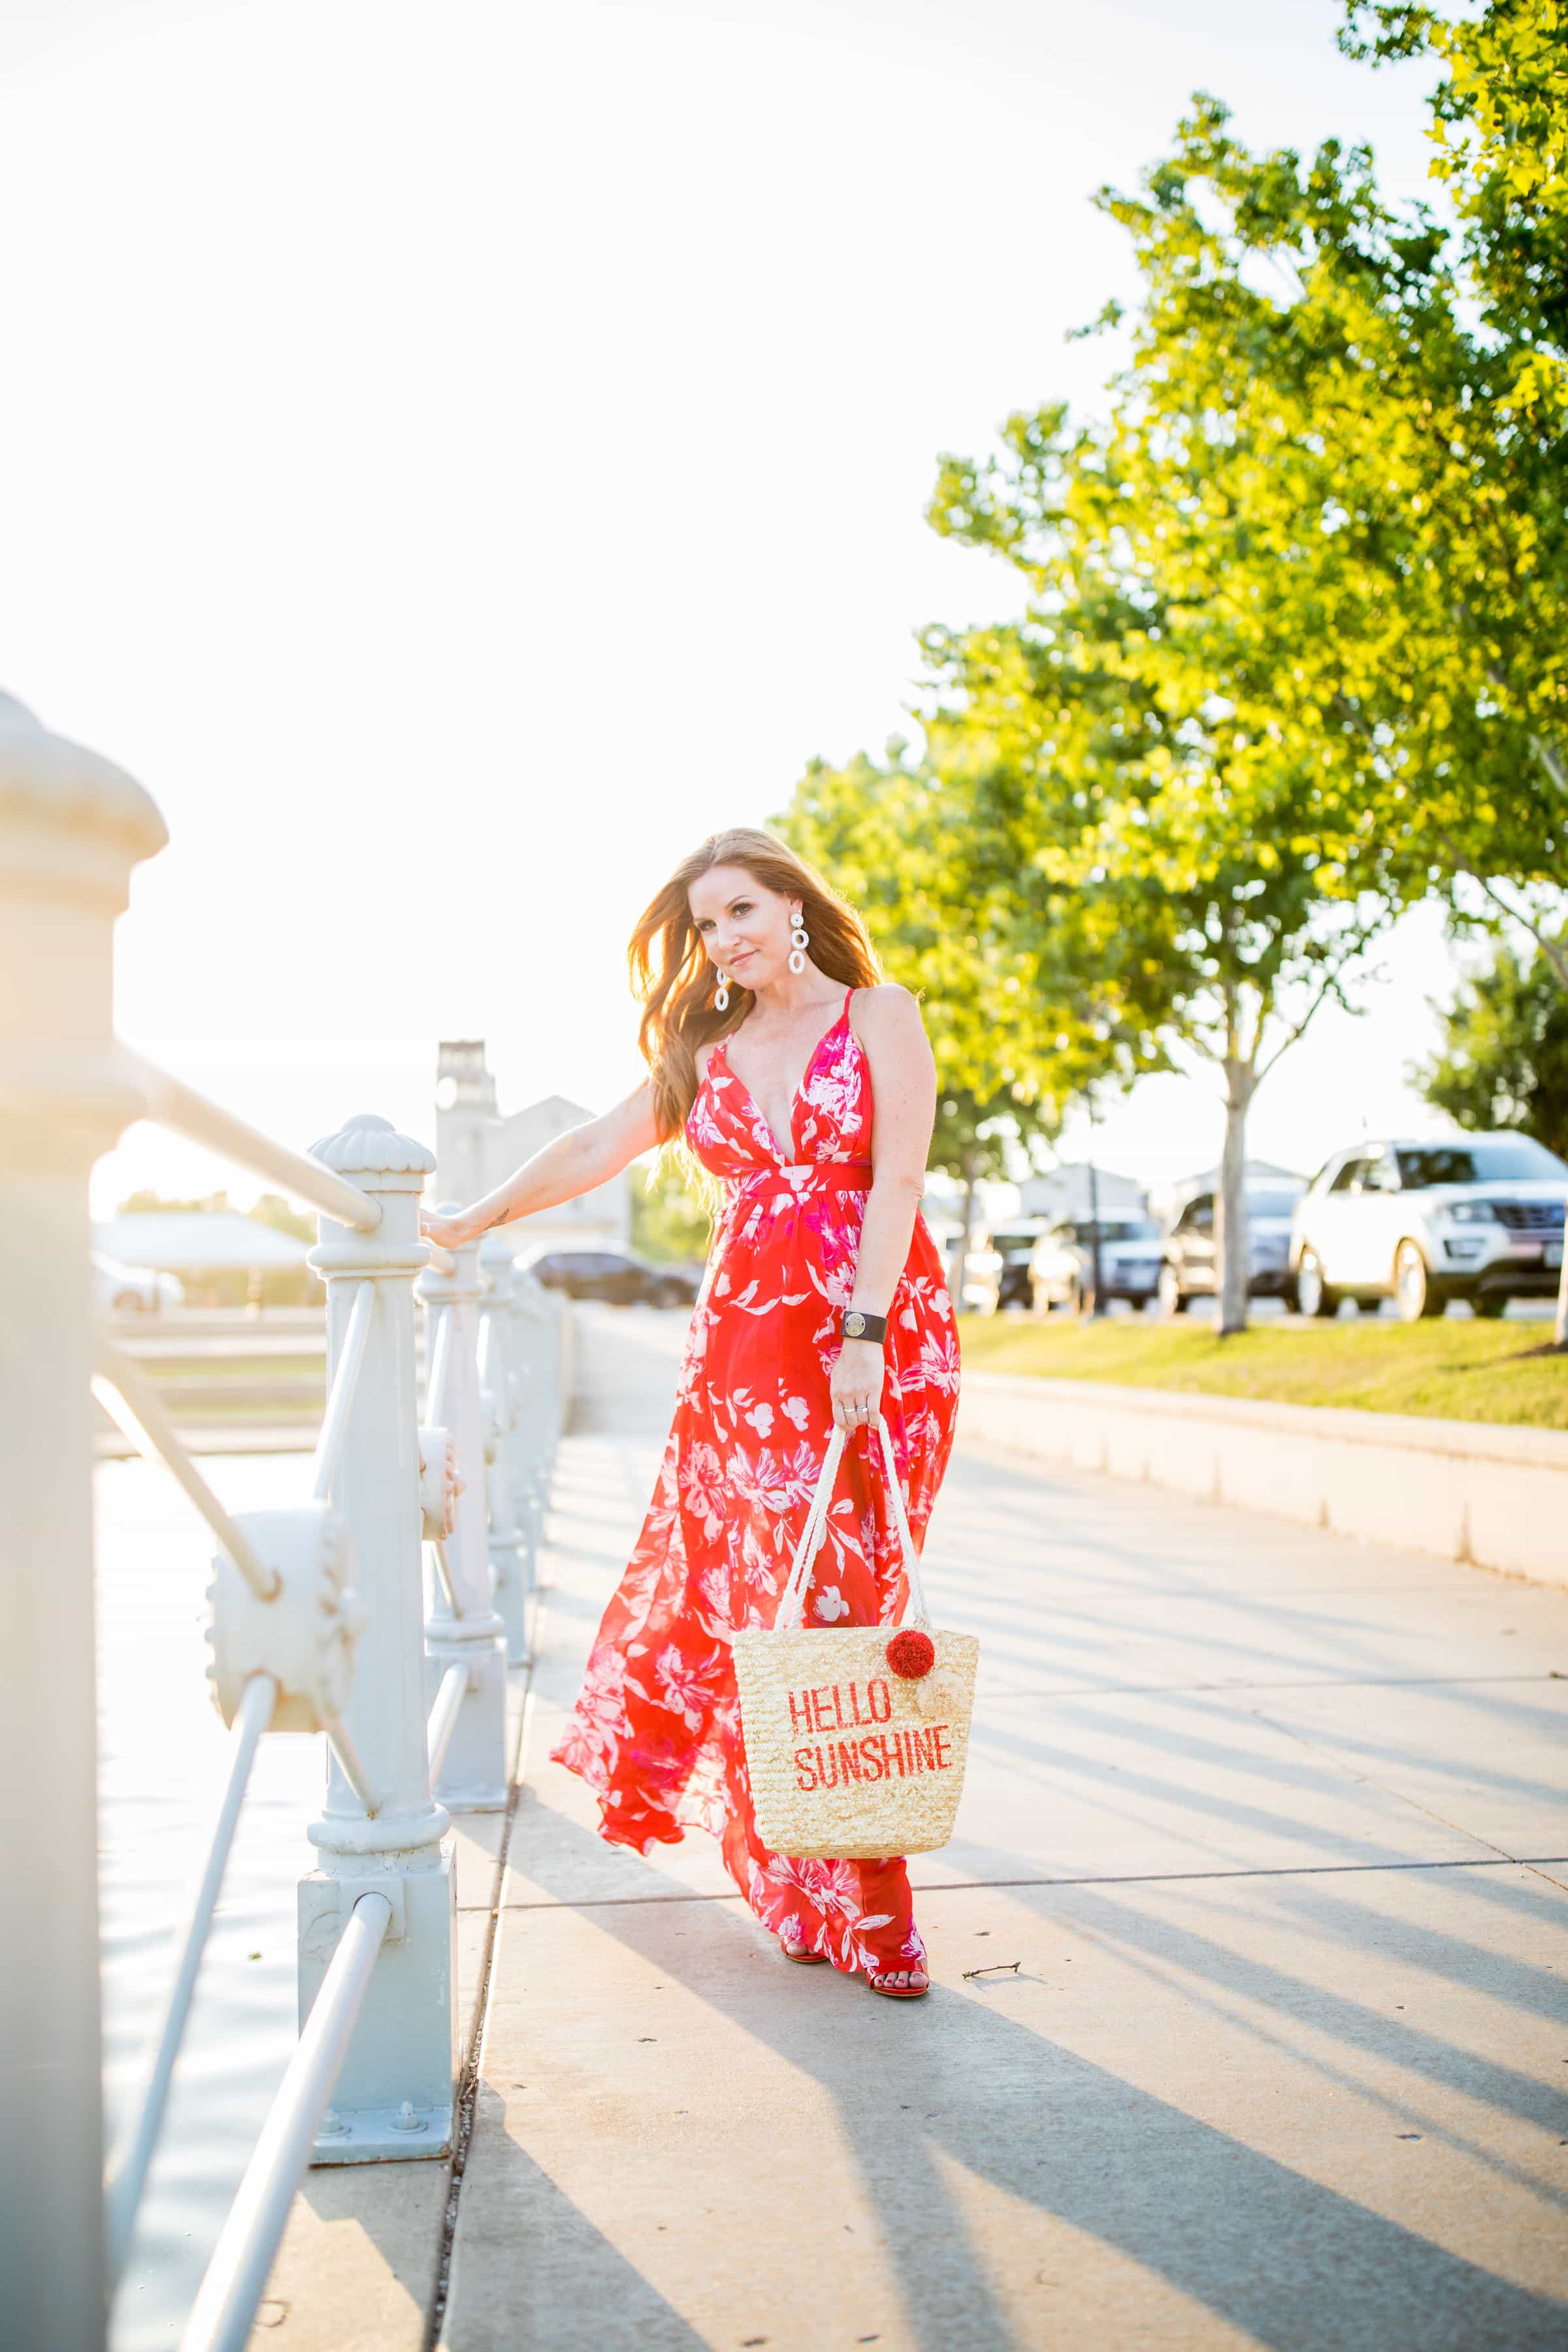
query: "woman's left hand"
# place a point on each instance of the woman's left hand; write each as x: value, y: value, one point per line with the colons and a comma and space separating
x: 856, y: 1384
x: 446, y: 1232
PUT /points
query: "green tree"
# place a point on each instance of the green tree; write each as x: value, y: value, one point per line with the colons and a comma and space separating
x: 1324, y: 450
x: 1503, y: 1061
x: 1148, y: 843
x: 670, y: 1223
x: 1500, y: 126
x: 147, y: 1204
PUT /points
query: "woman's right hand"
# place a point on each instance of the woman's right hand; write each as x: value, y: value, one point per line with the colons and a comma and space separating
x: 446, y: 1232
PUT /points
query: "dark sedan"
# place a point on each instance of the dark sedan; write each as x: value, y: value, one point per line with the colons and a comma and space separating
x: 1191, y: 1269
x: 616, y: 1278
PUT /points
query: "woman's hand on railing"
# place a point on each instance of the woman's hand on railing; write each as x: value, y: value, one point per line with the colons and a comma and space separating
x: 446, y: 1232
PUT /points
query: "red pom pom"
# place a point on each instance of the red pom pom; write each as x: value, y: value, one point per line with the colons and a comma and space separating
x: 912, y: 1654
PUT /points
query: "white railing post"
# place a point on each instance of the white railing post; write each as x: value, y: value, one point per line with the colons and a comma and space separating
x: 71, y: 829
x: 394, y: 2095
x: 473, y: 1775
x: 512, y: 1540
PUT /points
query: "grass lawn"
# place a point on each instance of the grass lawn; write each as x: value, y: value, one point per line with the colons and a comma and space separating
x: 168, y: 1372
x: 1457, y: 1370
x: 285, y: 1391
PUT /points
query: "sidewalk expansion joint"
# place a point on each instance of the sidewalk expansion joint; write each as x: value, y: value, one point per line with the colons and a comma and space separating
x: 1240, y: 1689
x: 1096, y: 1878
x: 467, y: 2086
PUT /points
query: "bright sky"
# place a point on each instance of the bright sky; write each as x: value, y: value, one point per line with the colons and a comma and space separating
x: 462, y: 456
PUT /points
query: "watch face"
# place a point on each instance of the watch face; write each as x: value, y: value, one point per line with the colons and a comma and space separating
x: 853, y: 1326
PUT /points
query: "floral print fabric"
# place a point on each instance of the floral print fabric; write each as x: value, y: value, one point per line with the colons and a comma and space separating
x: 656, y: 1731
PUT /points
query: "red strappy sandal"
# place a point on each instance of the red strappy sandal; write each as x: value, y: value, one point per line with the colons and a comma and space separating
x: 899, y: 1992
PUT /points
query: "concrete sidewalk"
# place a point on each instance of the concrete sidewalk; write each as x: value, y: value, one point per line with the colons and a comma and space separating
x: 1264, y: 1840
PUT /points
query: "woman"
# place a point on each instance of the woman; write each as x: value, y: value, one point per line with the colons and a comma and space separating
x: 806, y: 1087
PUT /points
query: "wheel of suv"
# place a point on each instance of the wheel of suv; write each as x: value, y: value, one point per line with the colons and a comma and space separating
x: 1489, y: 1304
x: 1313, y: 1295
x: 1412, y: 1291
x: 1173, y: 1297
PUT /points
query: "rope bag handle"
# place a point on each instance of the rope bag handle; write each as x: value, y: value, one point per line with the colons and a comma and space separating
x: 792, y: 1599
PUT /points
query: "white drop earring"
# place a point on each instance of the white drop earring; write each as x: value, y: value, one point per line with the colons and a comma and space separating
x: 722, y: 993
x: 799, y: 940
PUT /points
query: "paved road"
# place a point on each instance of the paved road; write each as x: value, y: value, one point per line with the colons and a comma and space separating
x: 1265, y: 1846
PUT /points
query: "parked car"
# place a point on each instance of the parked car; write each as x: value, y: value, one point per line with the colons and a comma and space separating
x: 616, y: 1278
x: 1481, y: 1218
x: 1014, y: 1246
x: 1191, y: 1267
x: 1061, y: 1265
x: 976, y: 1286
x: 133, y: 1289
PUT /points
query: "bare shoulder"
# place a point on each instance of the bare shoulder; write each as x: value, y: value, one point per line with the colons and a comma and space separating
x: 888, y: 1014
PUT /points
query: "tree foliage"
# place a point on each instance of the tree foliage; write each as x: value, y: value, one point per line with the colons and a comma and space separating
x: 1503, y: 1061
x: 1148, y: 747
x: 669, y: 1221
x: 1017, y: 1026
x: 1500, y: 125
x: 1362, y: 491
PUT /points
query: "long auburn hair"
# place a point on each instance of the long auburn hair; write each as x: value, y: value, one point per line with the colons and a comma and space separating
x: 673, y: 976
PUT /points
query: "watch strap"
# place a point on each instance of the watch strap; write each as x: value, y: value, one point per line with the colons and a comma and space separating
x: 856, y: 1324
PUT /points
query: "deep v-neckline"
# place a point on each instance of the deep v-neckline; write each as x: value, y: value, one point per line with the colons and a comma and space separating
x: 784, y: 1159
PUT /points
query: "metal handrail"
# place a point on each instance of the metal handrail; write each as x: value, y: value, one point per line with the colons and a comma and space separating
x: 444, y: 1715
x: 222, y: 2313
x: 436, y: 1368
x: 173, y: 1104
x: 128, y: 2171
x: 444, y: 1574
x: 351, y: 1765
x: 294, y: 1591
x: 129, y: 1400
x: 225, y: 2308
x: 345, y: 1380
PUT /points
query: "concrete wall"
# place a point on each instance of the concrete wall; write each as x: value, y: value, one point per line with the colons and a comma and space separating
x: 1463, y: 1489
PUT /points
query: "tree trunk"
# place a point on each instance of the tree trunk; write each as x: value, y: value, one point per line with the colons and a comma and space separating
x: 1096, y: 1276
x: 1230, y: 1236
x: 1554, y: 958
x: 969, y: 1174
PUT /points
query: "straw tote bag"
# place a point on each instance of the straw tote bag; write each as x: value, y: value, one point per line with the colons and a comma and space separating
x: 856, y: 1737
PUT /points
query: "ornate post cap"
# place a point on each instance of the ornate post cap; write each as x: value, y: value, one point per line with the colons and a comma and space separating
x: 368, y: 1151
x: 369, y: 1146
x: 72, y: 826
x: 69, y: 816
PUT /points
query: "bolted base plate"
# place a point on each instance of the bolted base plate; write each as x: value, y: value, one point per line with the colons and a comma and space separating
x: 378, y: 2136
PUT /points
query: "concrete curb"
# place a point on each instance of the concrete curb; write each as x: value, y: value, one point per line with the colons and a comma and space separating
x: 1496, y: 1496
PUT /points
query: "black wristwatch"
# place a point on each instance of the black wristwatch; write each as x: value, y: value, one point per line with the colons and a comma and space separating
x: 856, y: 1324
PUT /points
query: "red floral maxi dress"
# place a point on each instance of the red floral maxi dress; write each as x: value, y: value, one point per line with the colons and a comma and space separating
x: 657, y: 1729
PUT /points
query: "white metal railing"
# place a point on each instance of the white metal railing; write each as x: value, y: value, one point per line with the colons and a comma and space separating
x: 321, y: 1617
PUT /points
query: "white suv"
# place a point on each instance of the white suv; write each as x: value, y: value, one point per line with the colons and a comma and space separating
x: 1480, y: 1218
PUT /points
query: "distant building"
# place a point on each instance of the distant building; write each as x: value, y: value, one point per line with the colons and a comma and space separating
x: 1169, y: 1200
x: 1065, y: 1193
x: 196, y: 1241
x: 476, y: 1147
x: 942, y: 1204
